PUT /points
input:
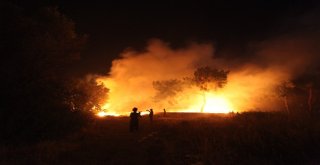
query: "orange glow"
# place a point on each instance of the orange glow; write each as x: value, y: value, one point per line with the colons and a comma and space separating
x: 131, y: 77
x: 217, y: 104
x: 143, y: 113
x: 247, y: 89
x: 104, y: 114
x: 101, y: 114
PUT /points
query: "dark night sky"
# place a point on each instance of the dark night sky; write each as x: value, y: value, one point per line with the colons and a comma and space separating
x: 230, y: 25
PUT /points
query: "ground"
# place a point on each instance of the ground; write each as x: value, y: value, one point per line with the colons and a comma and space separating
x: 249, y: 138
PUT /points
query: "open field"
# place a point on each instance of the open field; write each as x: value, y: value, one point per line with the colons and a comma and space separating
x: 249, y: 138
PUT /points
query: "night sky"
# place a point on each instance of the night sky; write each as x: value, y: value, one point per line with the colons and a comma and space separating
x: 113, y: 26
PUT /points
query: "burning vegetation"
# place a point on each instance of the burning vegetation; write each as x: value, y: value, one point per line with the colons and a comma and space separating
x: 192, y: 79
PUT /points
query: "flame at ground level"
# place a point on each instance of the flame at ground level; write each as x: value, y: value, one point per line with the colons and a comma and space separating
x: 207, y: 103
x: 131, y: 82
x: 216, y: 104
x: 104, y: 114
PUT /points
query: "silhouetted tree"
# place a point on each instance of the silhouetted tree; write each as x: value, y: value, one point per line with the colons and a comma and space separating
x: 39, y: 48
x: 283, y: 90
x: 309, y: 83
x: 207, y: 78
x: 167, y: 88
x: 84, y: 94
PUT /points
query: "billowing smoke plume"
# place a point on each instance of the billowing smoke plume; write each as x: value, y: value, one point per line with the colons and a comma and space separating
x: 250, y: 86
x: 131, y: 77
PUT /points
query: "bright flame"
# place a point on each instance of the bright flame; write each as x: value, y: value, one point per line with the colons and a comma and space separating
x: 131, y: 77
x: 104, y: 114
x: 217, y: 104
x: 101, y: 114
x: 144, y: 113
x: 207, y: 102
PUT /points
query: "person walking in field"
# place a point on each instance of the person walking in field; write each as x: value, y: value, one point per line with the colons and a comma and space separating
x: 150, y: 115
x: 134, y: 120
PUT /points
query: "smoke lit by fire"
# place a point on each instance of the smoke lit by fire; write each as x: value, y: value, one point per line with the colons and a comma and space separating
x: 250, y: 85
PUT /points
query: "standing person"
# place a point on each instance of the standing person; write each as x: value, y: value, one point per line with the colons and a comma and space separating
x: 150, y: 115
x: 134, y: 119
x: 164, y: 112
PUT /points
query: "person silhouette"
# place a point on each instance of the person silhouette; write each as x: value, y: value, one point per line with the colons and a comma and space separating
x: 164, y: 112
x: 150, y: 115
x: 134, y: 120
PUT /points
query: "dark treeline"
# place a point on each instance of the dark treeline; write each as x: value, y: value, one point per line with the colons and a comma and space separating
x: 39, y: 49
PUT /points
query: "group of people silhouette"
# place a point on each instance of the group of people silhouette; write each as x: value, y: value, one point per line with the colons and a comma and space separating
x: 135, y: 115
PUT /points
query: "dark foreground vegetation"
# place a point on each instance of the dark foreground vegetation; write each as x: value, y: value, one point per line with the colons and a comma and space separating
x: 248, y: 138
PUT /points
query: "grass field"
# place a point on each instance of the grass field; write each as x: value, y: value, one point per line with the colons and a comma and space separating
x: 248, y: 138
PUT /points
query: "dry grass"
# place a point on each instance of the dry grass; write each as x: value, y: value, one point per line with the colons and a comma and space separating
x: 251, y: 138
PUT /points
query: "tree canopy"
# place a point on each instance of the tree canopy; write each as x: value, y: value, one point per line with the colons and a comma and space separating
x: 206, y: 78
x: 39, y: 48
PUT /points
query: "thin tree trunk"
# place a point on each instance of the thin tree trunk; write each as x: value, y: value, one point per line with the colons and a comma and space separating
x: 204, y: 102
